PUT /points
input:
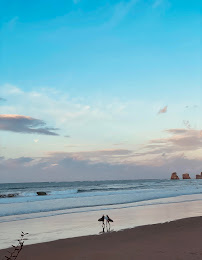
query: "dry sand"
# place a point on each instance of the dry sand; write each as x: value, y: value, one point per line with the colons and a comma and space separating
x: 176, y: 240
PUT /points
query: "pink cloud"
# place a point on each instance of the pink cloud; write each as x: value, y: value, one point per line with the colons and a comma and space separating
x: 163, y: 110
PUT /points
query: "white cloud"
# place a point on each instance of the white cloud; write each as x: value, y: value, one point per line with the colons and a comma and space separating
x: 119, y: 11
x: 11, y: 24
x: 160, y: 3
x: 11, y: 89
x: 187, y: 124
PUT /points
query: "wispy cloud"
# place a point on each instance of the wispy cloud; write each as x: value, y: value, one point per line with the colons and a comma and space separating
x: 76, y: 1
x: 159, y: 3
x: 116, y: 156
x: 12, y: 90
x: 25, y: 124
x: 11, y: 24
x: 117, y: 144
x: 2, y: 99
x: 178, y: 141
x: 119, y: 12
x: 15, y: 163
x: 163, y: 110
x: 187, y: 124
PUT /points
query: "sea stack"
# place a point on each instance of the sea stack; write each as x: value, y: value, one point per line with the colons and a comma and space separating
x: 174, y: 176
x: 185, y: 176
x: 41, y: 193
x: 198, y: 176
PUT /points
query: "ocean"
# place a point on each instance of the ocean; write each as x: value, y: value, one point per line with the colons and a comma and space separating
x: 19, y: 201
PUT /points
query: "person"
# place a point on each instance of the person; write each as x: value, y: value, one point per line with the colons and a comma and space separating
x: 103, y: 224
x: 108, y: 220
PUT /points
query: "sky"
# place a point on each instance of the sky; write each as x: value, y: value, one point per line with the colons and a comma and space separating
x: 98, y: 90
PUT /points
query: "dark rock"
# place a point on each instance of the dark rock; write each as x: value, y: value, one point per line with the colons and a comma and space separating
x: 174, y: 176
x: 41, y: 193
x: 11, y: 195
x: 198, y: 176
x: 185, y: 176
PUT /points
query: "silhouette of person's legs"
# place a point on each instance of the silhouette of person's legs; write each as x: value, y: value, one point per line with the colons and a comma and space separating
x: 103, y: 226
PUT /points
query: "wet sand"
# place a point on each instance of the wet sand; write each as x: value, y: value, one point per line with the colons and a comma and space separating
x: 79, y: 224
x: 176, y: 240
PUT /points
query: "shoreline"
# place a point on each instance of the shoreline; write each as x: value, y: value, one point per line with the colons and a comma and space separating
x: 57, y: 227
x: 179, y: 239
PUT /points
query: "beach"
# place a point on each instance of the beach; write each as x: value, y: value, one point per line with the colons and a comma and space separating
x: 180, y: 239
x: 144, y: 226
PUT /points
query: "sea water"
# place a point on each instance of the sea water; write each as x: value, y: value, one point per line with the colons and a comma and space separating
x: 20, y: 201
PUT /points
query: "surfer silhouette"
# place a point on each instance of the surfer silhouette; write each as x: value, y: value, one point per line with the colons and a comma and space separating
x: 103, y: 224
x: 108, y: 220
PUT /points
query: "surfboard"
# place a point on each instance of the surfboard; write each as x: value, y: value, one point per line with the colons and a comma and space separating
x: 110, y: 220
x: 101, y: 219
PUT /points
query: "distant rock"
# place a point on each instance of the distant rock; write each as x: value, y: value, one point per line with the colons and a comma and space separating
x: 41, y: 193
x: 185, y: 176
x: 174, y: 176
x: 198, y: 176
x: 10, y: 195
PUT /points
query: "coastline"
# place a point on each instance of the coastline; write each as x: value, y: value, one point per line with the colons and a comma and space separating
x: 80, y: 224
x: 179, y: 239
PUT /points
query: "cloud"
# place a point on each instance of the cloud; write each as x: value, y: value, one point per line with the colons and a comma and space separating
x: 163, y: 110
x: 25, y: 124
x: 36, y: 140
x: 192, y: 107
x: 76, y: 1
x: 13, y: 90
x: 2, y: 99
x: 15, y: 163
x: 176, y: 131
x: 64, y: 167
x: 178, y: 141
x: 100, y: 156
x: 119, y: 12
x: 23, y: 160
x: 11, y: 24
x: 117, y: 144
x: 67, y: 136
x: 187, y: 124
x: 157, y: 3
x: 161, y: 3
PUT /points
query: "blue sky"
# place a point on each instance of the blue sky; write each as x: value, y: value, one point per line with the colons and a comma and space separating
x: 116, y: 77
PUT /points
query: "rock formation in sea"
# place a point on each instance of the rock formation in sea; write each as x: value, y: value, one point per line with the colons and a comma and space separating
x: 41, y: 193
x: 174, y: 176
x: 198, y: 176
x: 185, y: 176
x: 11, y: 195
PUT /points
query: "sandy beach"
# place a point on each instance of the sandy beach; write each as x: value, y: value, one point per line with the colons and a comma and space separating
x: 180, y: 239
x: 77, y: 224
